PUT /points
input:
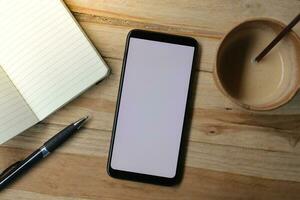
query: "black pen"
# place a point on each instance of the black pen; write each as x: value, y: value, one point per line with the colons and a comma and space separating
x: 20, y: 167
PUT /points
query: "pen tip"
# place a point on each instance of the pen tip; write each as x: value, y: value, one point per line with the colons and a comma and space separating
x: 85, y: 118
x: 81, y: 121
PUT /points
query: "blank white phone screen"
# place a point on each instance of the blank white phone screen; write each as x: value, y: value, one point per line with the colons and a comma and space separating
x: 152, y: 107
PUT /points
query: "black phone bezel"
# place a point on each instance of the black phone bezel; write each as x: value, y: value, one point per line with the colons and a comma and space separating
x: 161, y: 37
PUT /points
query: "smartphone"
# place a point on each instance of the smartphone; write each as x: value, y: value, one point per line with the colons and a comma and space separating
x: 151, y: 109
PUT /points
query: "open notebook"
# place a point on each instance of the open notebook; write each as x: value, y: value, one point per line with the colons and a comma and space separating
x: 46, y: 60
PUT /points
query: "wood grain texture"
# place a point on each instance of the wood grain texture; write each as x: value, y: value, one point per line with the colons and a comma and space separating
x: 232, y: 153
x: 76, y: 181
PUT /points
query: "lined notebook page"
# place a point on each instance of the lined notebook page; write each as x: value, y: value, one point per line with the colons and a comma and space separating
x: 15, y: 114
x: 45, y: 53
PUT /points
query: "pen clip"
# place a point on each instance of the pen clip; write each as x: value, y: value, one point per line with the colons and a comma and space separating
x: 10, y: 168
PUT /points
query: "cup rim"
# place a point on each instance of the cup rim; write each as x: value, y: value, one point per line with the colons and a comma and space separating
x: 270, y: 106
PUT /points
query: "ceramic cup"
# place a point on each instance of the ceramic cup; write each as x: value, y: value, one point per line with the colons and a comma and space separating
x: 268, y: 84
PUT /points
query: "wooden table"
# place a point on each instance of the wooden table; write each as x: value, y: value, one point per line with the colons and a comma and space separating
x: 232, y: 153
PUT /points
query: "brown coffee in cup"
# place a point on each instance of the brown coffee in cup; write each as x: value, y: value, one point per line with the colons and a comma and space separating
x: 258, y: 86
